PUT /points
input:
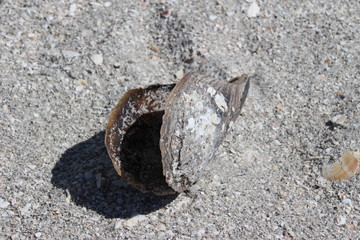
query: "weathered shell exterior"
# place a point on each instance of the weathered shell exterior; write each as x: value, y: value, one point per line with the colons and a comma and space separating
x: 197, y: 116
x: 161, y: 138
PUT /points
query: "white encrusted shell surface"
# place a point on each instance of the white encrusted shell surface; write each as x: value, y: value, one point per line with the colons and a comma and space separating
x: 197, y: 115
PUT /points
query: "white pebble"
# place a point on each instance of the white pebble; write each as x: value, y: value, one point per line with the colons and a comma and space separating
x: 321, y: 181
x: 4, y: 203
x: 95, y: 218
x: 31, y: 166
x: 277, y: 142
x: 253, y: 10
x: 118, y: 224
x: 342, y: 220
x: 339, y: 119
x: 70, y: 54
x: 72, y: 9
x: 135, y: 220
x: 161, y: 227
x: 107, y: 4
x: 329, y: 150
x: 97, y: 59
x: 179, y: 74
x: 5, y: 109
x: 229, y: 13
x: 201, y: 232
x: 68, y: 197
x: 38, y: 234
x: 79, y: 88
x: 212, y: 17
x: 346, y: 201
x: 49, y: 17
x: 25, y: 209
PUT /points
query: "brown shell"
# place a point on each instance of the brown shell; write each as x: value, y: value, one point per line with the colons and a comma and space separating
x: 132, y: 138
x: 345, y: 168
x: 198, y: 112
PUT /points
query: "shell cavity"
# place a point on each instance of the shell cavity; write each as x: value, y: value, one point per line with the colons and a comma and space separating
x: 132, y: 138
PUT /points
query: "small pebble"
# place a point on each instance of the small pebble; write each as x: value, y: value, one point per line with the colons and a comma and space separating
x: 117, y: 65
x: 279, y: 108
x: 346, y: 201
x: 72, y: 9
x: 212, y: 17
x: 68, y: 197
x: 118, y: 224
x: 31, y: 166
x: 179, y: 74
x: 201, y: 232
x: 95, y: 218
x: 341, y: 220
x: 97, y: 59
x: 81, y: 82
x: 107, y: 4
x: 161, y: 227
x: 25, y: 209
x: 135, y: 220
x: 339, y: 119
x: 166, y: 14
x: 229, y: 13
x: 49, y: 17
x: 321, y: 182
x: 329, y: 150
x: 86, y: 32
x: 79, y: 88
x: 38, y: 234
x: 253, y: 10
x: 4, y: 203
x: 5, y: 108
x: 155, y: 58
x: 277, y: 143
x: 154, y: 48
x: 70, y: 54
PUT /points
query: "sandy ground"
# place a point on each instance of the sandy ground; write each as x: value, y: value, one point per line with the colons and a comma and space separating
x: 65, y: 64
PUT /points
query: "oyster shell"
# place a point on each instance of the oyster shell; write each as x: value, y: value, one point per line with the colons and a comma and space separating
x: 161, y: 138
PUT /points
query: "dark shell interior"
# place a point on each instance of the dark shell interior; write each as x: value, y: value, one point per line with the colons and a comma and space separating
x: 133, y: 136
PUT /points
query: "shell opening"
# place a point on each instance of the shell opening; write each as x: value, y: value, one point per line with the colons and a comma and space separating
x: 141, y: 155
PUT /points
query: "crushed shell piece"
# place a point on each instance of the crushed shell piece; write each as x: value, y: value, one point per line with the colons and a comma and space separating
x: 345, y: 168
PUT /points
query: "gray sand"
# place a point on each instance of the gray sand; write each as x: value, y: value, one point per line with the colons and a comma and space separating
x: 65, y: 64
